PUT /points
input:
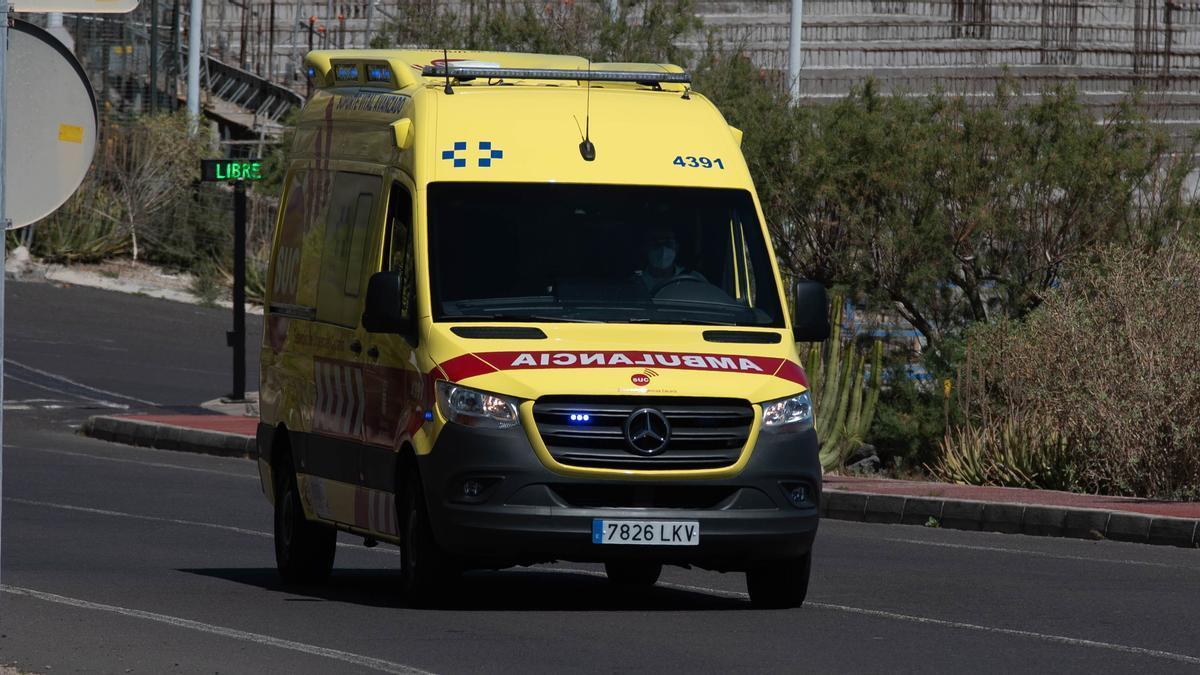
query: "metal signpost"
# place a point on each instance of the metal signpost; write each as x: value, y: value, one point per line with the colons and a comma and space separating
x: 63, y: 168
x: 236, y: 171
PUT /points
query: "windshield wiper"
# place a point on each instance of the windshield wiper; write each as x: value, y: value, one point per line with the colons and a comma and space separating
x: 516, y: 317
x: 680, y: 322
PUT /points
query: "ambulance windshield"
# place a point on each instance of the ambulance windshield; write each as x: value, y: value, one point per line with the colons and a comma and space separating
x: 599, y: 253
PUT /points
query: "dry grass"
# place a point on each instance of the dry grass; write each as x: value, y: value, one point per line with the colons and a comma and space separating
x: 1109, y: 361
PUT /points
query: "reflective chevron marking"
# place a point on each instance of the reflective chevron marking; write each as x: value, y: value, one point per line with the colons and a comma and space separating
x: 340, y: 401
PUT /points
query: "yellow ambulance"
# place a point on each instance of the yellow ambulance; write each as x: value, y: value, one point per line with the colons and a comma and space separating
x: 524, y: 308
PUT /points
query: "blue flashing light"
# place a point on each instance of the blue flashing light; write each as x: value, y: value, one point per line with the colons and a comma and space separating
x: 379, y: 74
x: 428, y: 415
x: 580, y: 418
x: 312, y: 72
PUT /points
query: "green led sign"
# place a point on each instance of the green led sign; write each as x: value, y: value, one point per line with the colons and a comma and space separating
x: 225, y: 170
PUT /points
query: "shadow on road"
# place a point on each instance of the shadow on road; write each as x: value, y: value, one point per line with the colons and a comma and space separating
x: 510, y: 590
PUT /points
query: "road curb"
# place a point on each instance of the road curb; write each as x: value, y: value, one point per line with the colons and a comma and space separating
x: 1032, y: 519
x: 958, y: 514
x: 146, y: 434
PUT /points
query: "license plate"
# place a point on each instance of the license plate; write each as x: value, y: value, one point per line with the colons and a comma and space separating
x: 646, y: 532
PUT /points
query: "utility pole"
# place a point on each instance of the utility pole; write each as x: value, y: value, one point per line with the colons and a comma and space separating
x: 193, y: 76
x: 794, y: 50
x: 271, y: 44
x: 54, y: 26
x: 176, y: 46
x: 370, y: 15
x: 4, y: 14
x: 295, y: 40
x: 153, y: 56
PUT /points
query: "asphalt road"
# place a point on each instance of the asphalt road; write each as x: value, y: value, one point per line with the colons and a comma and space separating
x: 120, y: 559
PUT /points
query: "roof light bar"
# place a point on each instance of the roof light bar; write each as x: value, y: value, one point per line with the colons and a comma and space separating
x: 647, y: 78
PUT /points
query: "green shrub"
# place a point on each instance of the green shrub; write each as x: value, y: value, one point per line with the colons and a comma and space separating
x: 909, y: 422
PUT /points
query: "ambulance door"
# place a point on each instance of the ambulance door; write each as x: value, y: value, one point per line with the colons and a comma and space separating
x: 393, y: 379
x: 335, y: 446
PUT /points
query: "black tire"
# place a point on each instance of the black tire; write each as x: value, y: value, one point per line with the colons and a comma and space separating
x: 633, y: 572
x: 304, y: 550
x: 424, y: 566
x: 780, y: 585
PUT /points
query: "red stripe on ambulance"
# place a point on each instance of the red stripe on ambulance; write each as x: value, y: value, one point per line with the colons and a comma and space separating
x: 471, y: 365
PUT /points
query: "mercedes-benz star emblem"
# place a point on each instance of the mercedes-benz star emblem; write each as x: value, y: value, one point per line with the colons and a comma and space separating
x: 647, y: 431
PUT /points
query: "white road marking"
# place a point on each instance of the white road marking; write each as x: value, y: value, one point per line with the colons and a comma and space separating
x: 223, y: 631
x: 179, y: 521
x: 161, y: 465
x: 1036, y: 554
x: 1058, y: 639
x: 137, y: 516
x: 97, y: 401
x: 69, y: 381
x: 1044, y: 637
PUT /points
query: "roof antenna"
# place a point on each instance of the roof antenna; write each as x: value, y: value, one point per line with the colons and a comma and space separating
x: 446, y: 67
x: 586, y: 148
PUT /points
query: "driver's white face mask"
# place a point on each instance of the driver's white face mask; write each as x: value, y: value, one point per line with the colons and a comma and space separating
x: 661, y: 257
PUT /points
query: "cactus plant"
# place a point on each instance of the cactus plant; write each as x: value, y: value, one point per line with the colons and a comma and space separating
x: 844, y: 404
x: 1018, y: 451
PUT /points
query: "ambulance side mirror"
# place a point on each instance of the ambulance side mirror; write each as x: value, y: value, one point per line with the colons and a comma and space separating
x: 810, y: 322
x: 386, y: 304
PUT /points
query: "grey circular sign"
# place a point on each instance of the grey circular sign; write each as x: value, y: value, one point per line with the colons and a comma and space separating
x: 50, y: 125
x: 647, y: 432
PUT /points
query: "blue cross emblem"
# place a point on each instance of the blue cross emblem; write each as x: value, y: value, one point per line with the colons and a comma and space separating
x: 486, y: 160
x: 459, y: 162
x: 457, y: 156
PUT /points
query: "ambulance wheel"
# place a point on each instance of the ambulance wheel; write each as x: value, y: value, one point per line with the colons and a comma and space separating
x: 780, y: 585
x: 424, y: 567
x: 633, y: 572
x: 303, y: 549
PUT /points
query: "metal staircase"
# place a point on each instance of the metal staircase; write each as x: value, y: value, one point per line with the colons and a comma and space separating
x: 241, y: 98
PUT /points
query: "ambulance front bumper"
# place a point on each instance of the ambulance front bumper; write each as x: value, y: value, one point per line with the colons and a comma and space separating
x: 493, y: 502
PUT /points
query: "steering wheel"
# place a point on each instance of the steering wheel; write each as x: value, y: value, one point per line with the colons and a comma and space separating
x: 677, y: 280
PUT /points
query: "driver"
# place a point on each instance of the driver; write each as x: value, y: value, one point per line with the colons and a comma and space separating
x: 661, y: 266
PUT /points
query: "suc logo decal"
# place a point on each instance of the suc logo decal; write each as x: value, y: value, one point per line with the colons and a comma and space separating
x: 642, y: 379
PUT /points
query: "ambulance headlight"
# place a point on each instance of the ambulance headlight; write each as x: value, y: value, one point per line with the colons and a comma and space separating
x: 794, y: 413
x: 471, y: 408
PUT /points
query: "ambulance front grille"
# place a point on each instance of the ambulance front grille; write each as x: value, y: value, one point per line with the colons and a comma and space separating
x: 706, y: 433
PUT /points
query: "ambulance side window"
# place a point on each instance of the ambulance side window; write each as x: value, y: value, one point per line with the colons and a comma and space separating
x: 398, y: 252
x: 346, y: 233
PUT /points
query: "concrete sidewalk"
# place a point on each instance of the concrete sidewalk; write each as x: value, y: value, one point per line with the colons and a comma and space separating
x: 209, y: 433
x: 874, y: 500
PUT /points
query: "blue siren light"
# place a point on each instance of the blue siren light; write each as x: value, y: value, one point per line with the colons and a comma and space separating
x: 379, y: 74
x: 580, y: 418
